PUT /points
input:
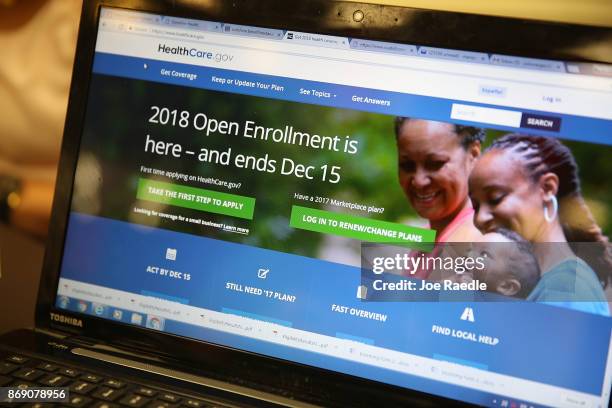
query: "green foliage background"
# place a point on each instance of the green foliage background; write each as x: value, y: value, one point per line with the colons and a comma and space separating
x: 117, y: 125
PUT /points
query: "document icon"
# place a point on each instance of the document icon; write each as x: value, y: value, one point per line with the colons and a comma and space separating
x: 362, y: 292
x: 171, y: 254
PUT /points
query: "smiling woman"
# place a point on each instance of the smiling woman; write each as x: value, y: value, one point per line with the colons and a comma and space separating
x: 530, y: 184
x: 434, y: 163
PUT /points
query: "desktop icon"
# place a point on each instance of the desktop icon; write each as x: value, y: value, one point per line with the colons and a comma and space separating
x: 262, y: 273
x: 117, y: 314
x: 136, y: 318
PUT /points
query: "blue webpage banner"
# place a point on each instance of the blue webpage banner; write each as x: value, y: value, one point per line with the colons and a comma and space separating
x: 528, y: 340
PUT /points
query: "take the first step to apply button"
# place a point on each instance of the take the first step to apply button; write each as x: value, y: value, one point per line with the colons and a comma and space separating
x: 196, y: 198
x: 361, y: 228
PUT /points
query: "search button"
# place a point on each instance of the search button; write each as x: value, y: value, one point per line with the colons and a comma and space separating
x: 540, y: 122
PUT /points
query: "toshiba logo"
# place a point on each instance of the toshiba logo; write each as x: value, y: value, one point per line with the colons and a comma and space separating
x: 73, y: 321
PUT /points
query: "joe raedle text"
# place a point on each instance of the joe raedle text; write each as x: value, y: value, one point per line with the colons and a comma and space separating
x: 424, y: 285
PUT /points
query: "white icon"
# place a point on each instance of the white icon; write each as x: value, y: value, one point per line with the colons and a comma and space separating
x: 262, y: 273
x: 117, y: 314
x: 362, y: 292
x: 523, y: 405
x: 136, y: 318
x: 468, y: 314
x: 146, y: 66
x: 171, y: 254
x: 504, y: 403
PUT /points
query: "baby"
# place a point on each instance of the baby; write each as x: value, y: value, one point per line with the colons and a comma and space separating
x: 511, y: 268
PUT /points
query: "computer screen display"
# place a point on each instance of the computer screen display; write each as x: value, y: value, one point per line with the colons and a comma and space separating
x: 429, y: 218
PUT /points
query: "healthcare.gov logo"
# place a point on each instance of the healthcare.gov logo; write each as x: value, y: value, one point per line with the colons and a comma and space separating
x: 195, y: 52
x: 468, y: 314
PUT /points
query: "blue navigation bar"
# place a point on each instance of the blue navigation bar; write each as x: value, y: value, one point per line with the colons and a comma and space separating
x: 349, y: 97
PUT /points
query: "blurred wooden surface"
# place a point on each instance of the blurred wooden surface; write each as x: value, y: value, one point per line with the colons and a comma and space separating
x: 21, y: 261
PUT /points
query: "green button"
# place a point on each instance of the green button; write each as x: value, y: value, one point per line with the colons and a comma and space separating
x: 196, y: 198
x: 360, y: 228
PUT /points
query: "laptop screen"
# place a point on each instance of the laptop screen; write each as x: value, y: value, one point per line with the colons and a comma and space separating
x: 429, y: 218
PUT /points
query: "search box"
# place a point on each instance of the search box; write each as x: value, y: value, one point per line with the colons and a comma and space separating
x: 501, y: 117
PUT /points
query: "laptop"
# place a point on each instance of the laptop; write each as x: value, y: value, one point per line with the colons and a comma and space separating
x: 251, y: 194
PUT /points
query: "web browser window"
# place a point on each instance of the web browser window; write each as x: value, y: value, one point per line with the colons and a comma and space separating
x: 430, y: 218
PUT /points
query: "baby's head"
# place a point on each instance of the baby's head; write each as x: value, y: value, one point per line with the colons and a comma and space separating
x: 511, y: 268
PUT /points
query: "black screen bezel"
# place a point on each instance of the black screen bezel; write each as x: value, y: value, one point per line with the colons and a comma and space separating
x: 395, y: 24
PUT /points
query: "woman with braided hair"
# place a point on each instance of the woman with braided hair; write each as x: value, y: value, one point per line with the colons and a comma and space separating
x: 530, y: 184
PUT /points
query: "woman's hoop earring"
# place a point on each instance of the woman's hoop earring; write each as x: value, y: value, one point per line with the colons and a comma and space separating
x: 555, y: 204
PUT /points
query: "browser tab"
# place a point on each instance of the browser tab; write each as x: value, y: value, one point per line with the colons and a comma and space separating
x: 248, y: 31
x: 128, y: 16
x: 528, y: 63
x: 381, y: 46
x: 318, y: 40
x: 586, y: 68
x: 465, y: 56
x: 195, y: 24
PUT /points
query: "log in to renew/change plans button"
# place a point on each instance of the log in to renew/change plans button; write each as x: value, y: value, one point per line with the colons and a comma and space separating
x: 196, y: 198
x: 361, y: 228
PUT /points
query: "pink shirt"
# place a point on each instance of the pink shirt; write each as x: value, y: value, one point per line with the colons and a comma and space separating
x: 465, y: 215
x: 459, y: 220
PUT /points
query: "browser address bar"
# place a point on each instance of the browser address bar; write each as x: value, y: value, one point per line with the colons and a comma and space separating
x: 333, y: 65
x: 405, y: 62
x: 182, y: 34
